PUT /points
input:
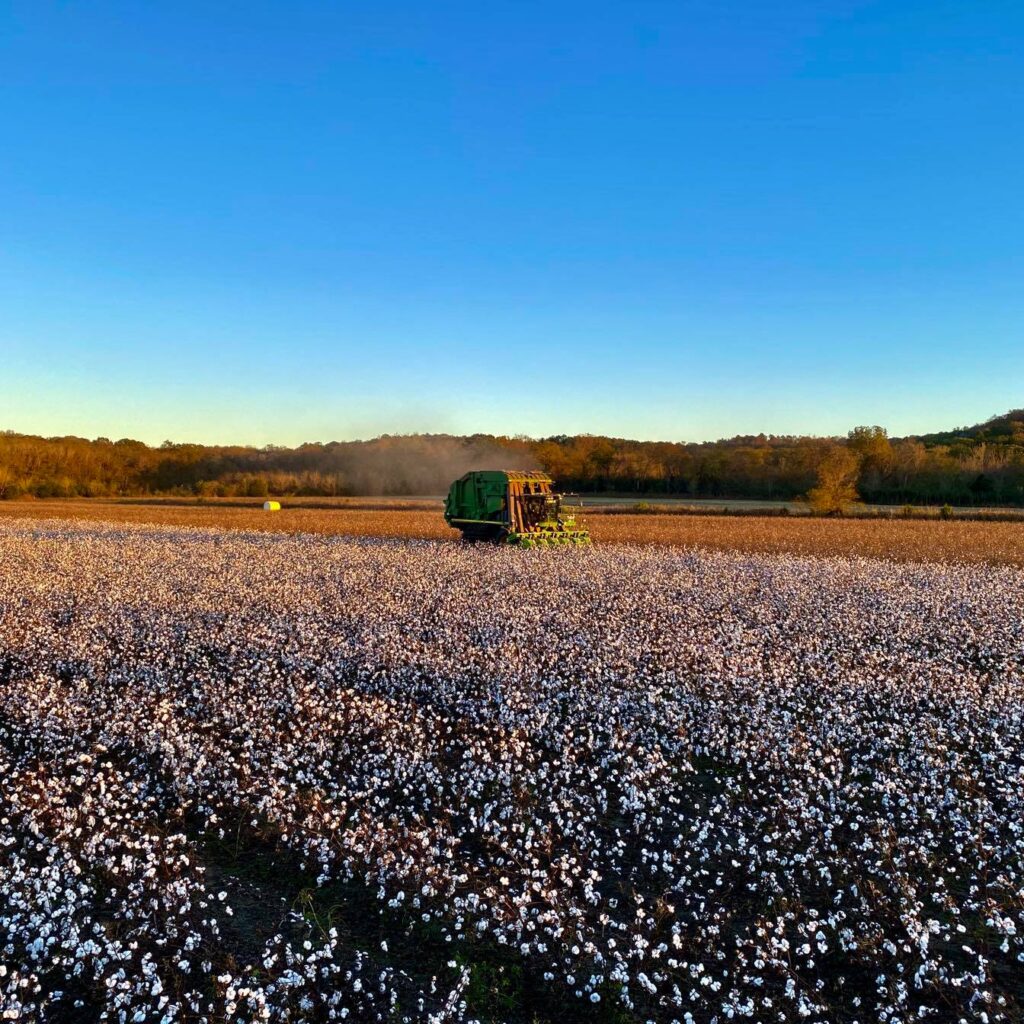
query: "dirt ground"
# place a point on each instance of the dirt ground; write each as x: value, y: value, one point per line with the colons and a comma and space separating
x: 1000, y: 543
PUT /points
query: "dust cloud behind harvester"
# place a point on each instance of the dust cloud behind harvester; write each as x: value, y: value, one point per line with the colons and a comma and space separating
x: 420, y: 464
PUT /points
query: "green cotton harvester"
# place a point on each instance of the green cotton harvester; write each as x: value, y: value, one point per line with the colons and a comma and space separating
x: 507, y: 507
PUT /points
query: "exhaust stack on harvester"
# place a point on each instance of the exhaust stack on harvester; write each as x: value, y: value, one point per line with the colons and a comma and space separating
x: 509, y: 507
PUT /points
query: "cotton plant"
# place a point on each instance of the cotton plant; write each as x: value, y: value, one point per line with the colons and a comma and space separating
x: 687, y: 785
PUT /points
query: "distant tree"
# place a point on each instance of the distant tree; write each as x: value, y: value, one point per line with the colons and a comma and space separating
x: 872, y: 446
x: 981, y: 486
x: 875, y: 453
x: 983, y: 464
x: 836, y: 488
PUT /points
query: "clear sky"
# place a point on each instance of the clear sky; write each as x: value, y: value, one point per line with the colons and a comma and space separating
x: 274, y: 222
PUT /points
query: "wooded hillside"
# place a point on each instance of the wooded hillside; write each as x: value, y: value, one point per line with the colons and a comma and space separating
x: 979, y: 465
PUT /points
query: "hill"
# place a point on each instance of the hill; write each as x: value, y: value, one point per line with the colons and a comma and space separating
x: 1005, y: 429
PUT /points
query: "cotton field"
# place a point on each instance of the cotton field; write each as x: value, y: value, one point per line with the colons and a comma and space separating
x: 253, y: 777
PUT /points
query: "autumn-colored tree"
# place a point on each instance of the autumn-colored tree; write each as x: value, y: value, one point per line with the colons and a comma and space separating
x: 8, y: 482
x: 872, y: 446
x: 983, y: 464
x: 836, y: 488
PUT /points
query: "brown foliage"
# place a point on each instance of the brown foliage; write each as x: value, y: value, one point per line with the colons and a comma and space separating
x: 977, y: 466
x: 836, y: 488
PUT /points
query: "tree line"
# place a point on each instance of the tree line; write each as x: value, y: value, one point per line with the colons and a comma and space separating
x: 979, y: 465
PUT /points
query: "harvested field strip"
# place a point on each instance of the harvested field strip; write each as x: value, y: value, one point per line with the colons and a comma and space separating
x: 998, y: 543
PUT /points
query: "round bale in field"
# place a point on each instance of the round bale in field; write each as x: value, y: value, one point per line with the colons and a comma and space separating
x: 271, y: 506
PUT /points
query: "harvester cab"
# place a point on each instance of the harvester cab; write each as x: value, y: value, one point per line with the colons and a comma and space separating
x: 509, y: 507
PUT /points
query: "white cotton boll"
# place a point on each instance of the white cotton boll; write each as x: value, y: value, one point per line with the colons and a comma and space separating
x: 394, y: 709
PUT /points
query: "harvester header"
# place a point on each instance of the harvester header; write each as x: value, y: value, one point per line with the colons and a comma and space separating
x: 510, y: 507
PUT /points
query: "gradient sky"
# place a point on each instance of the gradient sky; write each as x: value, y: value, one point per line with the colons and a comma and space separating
x: 276, y: 222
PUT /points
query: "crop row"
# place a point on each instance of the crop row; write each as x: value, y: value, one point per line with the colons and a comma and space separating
x: 260, y: 777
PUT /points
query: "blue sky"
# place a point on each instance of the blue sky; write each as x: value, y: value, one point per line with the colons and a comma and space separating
x: 276, y: 222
